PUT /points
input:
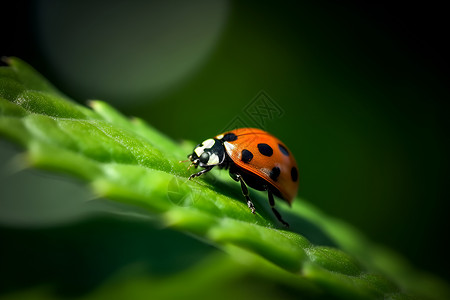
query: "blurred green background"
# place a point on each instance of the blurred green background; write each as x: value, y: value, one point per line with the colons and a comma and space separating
x: 363, y: 88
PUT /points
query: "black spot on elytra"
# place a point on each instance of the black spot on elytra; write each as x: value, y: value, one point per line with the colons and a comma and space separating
x: 274, y: 173
x: 294, y: 174
x: 265, y: 149
x: 247, y: 156
x: 229, y: 137
x: 283, y: 149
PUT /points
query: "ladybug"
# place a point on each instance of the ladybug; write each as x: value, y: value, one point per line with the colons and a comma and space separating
x: 254, y: 158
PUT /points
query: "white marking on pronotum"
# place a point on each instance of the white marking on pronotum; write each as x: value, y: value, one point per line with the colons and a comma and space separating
x: 220, y: 136
x: 199, y: 151
x: 213, y: 159
x: 206, y: 144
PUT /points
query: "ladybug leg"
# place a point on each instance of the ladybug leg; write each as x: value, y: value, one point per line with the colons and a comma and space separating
x: 234, y: 176
x: 275, y: 212
x: 244, y: 189
x: 207, y: 169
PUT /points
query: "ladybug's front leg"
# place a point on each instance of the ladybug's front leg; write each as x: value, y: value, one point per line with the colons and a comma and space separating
x: 244, y: 188
x: 206, y: 169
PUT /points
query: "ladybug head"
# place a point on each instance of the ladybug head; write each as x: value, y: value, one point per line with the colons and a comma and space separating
x: 209, y: 153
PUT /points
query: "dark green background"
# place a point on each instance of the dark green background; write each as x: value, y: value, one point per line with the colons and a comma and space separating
x: 364, y: 91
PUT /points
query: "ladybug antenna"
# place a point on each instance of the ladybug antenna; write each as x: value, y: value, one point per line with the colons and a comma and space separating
x: 183, y: 161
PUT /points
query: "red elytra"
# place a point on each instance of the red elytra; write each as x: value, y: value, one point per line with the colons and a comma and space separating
x: 262, y: 165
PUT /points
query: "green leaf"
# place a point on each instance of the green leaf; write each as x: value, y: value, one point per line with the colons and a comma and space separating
x: 127, y: 160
